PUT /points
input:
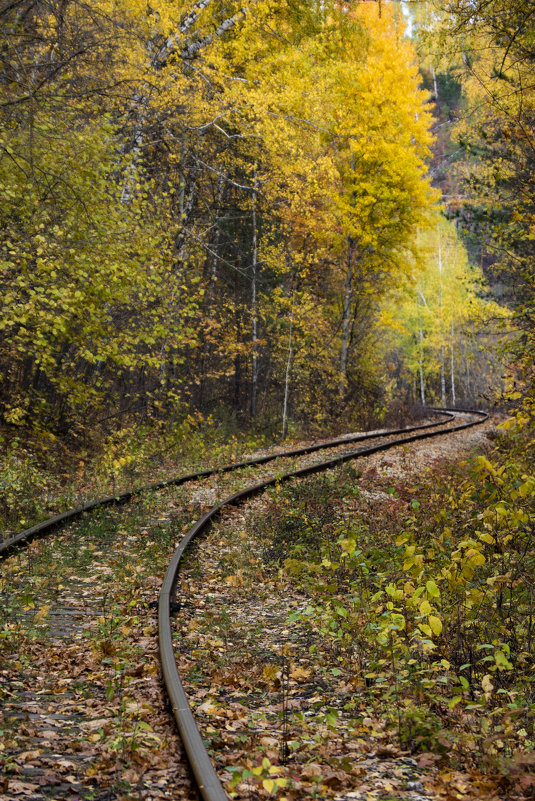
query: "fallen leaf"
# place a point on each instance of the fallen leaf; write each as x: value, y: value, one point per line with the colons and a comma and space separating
x: 21, y: 788
x: 311, y: 771
x: 300, y: 673
x: 42, y: 613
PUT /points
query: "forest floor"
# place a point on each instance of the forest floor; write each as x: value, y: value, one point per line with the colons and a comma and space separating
x: 274, y: 706
x: 83, y: 713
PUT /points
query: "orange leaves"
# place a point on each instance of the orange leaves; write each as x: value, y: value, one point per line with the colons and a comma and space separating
x: 42, y: 613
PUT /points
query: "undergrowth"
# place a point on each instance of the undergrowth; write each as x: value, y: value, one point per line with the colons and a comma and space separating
x: 78, y: 640
x: 41, y: 476
x: 426, y: 610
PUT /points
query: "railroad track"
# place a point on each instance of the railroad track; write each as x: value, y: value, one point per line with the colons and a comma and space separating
x: 343, y: 450
x: 52, y: 523
x: 206, y: 778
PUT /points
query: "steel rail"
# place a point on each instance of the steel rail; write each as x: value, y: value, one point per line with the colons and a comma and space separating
x: 205, y: 775
x: 52, y: 523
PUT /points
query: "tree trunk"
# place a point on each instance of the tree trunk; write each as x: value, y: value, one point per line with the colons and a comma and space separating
x: 442, y: 377
x: 421, y: 299
x: 435, y: 86
x: 452, y: 369
x: 212, y: 278
x: 217, y: 236
x: 346, y: 320
x: 421, y: 365
x: 287, y: 384
x: 237, y: 365
x: 254, y: 319
x: 467, y: 365
x: 441, y: 306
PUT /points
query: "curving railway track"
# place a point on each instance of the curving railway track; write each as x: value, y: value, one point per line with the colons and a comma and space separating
x: 52, y: 523
x: 302, y: 464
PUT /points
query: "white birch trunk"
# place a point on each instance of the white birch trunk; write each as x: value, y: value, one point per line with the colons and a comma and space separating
x: 254, y: 319
x: 421, y: 365
x: 287, y: 384
x: 441, y: 306
x: 442, y: 377
x: 435, y: 86
x: 452, y: 368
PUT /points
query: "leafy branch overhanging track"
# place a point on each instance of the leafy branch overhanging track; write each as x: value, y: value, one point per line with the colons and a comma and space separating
x: 206, y: 778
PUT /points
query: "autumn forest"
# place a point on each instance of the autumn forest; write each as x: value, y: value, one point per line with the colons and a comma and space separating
x: 279, y: 212
x: 227, y: 226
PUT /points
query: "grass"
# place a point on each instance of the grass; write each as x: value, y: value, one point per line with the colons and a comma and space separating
x: 40, y: 477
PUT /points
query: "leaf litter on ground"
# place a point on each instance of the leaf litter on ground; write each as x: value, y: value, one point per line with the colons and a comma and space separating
x: 267, y: 704
x: 83, y: 710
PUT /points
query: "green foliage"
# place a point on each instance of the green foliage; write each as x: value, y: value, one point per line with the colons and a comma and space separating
x: 25, y: 487
x: 41, y: 476
x: 488, y: 48
x: 434, y: 614
x: 437, y: 327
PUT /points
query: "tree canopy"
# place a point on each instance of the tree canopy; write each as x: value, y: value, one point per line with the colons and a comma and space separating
x: 203, y: 205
